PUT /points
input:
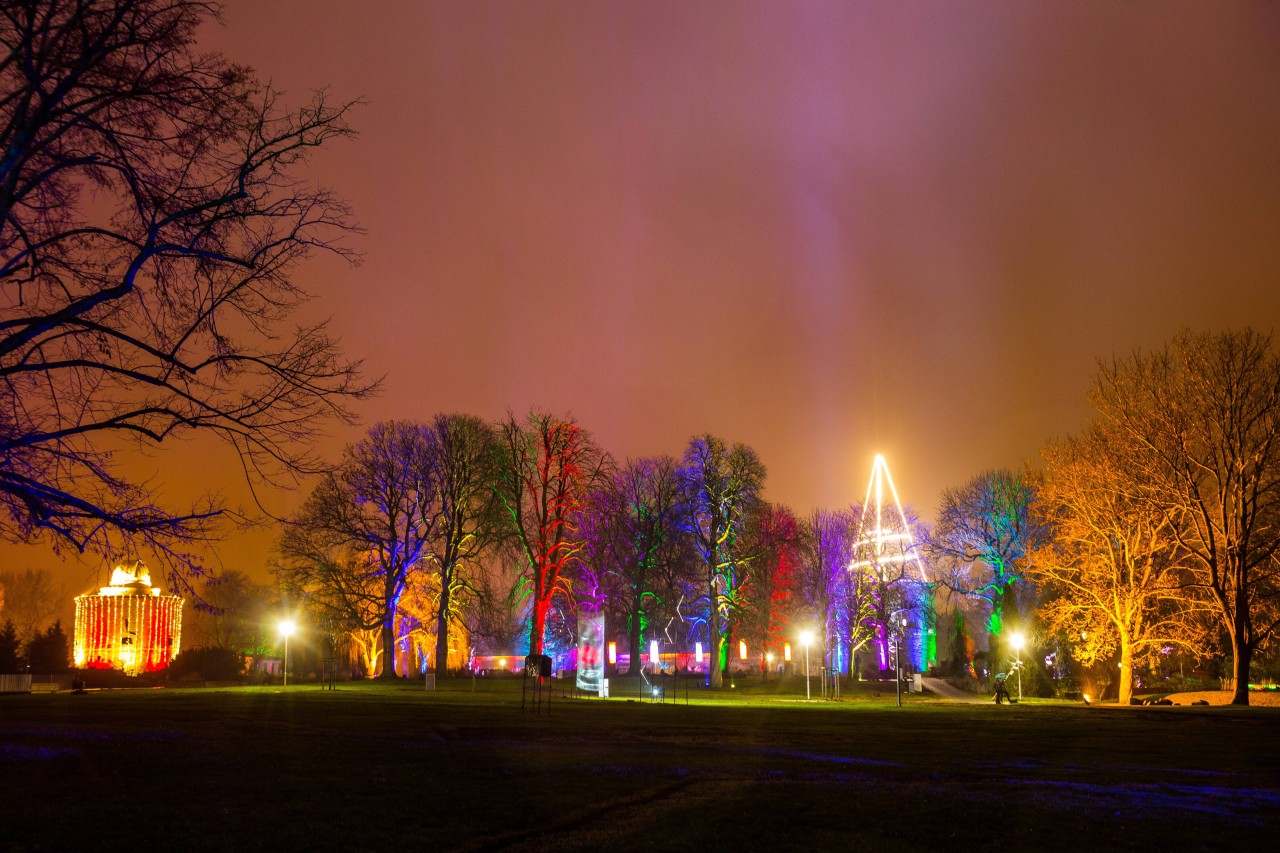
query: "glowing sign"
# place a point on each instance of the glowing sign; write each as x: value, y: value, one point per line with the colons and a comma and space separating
x: 591, y: 652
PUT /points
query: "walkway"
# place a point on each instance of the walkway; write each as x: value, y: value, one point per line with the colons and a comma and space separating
x: 954, y: 694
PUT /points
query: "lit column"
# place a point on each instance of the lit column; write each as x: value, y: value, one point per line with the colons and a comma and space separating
x: 287, y: 627
x: 806, y: 638
x: 1016, y: 640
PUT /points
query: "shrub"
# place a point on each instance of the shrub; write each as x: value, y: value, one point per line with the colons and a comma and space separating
x: 207, y: 663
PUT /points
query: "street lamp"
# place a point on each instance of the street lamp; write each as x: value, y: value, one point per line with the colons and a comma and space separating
x: 897, y: 659
x: 287, y: 627
x: 806, y: 638
x: 1016, y: 640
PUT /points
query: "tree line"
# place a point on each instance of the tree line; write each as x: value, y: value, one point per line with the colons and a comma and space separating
x: 1154, y: 530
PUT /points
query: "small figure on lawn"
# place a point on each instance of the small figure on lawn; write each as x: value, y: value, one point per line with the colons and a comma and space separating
x: 1001, y: 692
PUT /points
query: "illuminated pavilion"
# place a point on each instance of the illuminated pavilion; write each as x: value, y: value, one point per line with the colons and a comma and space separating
x: 128, y: 625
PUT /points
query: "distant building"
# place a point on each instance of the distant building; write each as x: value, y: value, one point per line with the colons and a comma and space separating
x: 128, y: 625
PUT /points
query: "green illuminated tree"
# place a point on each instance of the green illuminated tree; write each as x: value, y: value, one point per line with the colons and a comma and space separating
x: 984, y: 532
x: 634, y: 546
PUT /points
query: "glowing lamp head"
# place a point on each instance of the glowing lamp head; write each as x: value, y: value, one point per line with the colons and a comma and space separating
x: 1016, y: 640
x: 287, y: 628
x: 1087, y: 700
x: 806, y: 638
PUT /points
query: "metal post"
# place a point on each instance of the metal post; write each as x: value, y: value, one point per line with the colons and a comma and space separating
x: 806, y: 672
x: 286, y: 660
x: 897, y: 668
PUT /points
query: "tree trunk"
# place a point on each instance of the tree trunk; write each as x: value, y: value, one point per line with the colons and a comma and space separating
x: 1242, y: 655
x: 388, y: 644
x: 1126, y: 672
x: 442, y: 626
x: 539, y: 625
x: 633, y: 644
x: 715, y: 671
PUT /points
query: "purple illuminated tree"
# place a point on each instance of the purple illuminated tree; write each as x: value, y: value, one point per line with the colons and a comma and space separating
x: 825, y: 552
x: 635, y: 547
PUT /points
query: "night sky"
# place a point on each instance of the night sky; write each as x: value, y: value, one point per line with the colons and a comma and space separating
x: 826, y: 230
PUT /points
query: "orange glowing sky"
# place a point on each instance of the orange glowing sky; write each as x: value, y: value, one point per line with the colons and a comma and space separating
x: 825, y: 229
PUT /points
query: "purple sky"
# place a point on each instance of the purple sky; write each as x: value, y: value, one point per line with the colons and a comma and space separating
x: 824, y: 229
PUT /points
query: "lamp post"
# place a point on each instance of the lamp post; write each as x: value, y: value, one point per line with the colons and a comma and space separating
x: 806, y: 638
x: 1016, y: 640
x: 287, y: 627
x: 897, y: 659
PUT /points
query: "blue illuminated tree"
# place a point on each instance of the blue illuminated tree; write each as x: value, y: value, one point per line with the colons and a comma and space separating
x: 719, y: 486
x: 363, y: 529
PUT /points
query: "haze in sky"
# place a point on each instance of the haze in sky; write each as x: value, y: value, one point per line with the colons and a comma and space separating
x: 825, y: 229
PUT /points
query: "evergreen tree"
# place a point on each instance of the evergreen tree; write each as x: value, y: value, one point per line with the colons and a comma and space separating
x: 50, y: 652
x: 10, y: 659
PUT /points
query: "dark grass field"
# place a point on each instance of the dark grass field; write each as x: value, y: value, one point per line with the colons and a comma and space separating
x: 380, y: 768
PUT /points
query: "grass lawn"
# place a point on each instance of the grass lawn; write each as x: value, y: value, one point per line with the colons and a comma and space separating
x: 371, y: 767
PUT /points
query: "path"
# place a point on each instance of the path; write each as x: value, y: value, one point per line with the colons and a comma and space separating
x: 948, y: 691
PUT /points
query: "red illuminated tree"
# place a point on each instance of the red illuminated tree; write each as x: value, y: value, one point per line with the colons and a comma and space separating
x: 152, y: 219
x: 774, y: 536
x: 547, y: 466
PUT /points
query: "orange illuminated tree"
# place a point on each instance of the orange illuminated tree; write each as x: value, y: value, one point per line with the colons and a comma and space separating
x: 1115, y: 577
x: 1200, y: 423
